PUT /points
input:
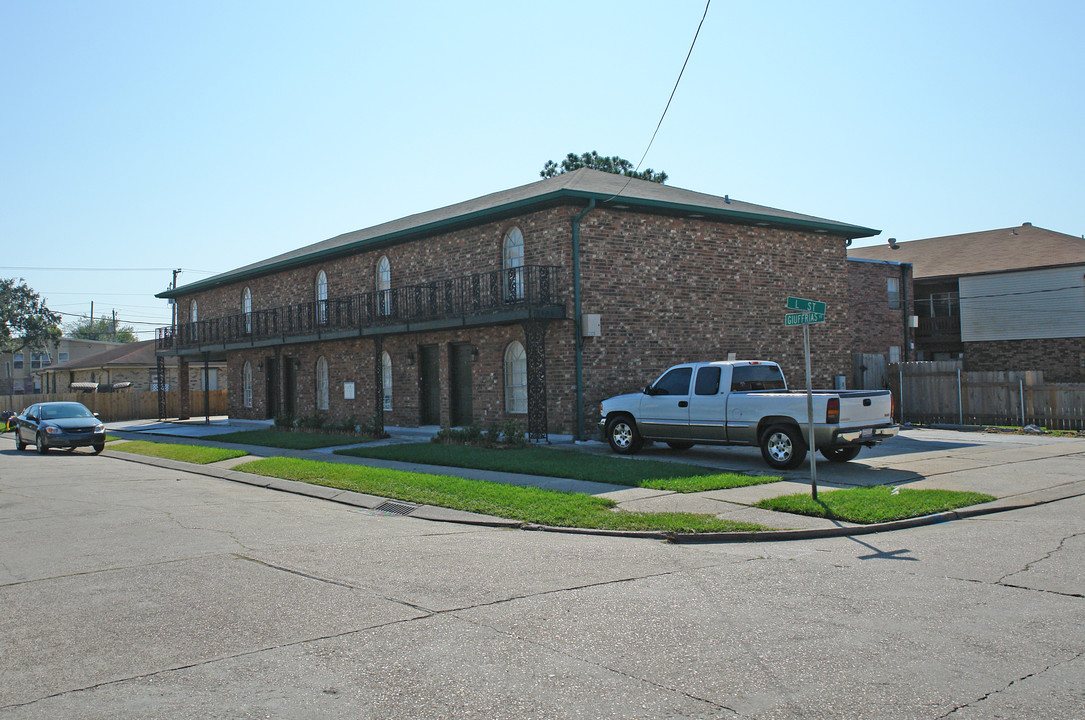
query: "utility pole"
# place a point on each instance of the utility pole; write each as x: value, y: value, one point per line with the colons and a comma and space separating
x: 114, y: 325
x: 173, y: 301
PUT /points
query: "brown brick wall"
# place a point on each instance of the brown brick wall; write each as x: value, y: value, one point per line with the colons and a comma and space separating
x: 668, y: 290
x: 874, y: 325
x: 673, y: 290
x: 1061, y: 359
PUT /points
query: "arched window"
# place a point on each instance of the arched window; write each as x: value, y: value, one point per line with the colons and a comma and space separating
x: 321, y: 298
x: 386, y: 379
x: 193, y: 316
x: 321, y: 383
x: 384, y: 287
x: 515, y: 378
x: 246, y: 385
x: 512, y: 264
x: 246, y: 311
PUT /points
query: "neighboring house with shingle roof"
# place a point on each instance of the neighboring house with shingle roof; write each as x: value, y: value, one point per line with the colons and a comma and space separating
x: 131, y: 366
x: 1006, y: 299
x: 527, y: 305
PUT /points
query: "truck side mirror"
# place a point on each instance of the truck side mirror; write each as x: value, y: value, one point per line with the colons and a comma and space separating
x: 647, y: 390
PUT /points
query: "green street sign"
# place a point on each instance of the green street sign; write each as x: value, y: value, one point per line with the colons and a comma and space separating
x: 810, y: 306
x: 803, y: 318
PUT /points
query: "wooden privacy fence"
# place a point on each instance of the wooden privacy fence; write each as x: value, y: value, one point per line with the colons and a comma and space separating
x: 115, y: 406
x: 941, y: 392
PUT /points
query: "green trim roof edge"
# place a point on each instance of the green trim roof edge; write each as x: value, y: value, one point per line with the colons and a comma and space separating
x: 470, y: 218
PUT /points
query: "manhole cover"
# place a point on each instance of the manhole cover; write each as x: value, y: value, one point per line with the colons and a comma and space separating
x: 397, y: 507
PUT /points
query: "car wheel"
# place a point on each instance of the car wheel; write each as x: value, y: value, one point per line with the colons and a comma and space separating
x: 782, y: 447
x: 42, y: 447
x: 623, y: 436
x: 840, y: 454
x: 679, y: 444
x: 19, y: 444
x: 98, y: 448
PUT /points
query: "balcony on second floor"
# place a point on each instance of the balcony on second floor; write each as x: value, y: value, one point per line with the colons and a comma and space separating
x: 491, y: 298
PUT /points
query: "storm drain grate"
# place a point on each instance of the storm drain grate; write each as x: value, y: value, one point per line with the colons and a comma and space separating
x: 397, y: 507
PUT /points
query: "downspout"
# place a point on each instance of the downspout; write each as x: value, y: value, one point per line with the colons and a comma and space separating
x: 576, y: 322
x: 904, y: 269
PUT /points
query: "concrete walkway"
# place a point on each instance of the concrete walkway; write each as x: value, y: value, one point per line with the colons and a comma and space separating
x: 1019, y: 470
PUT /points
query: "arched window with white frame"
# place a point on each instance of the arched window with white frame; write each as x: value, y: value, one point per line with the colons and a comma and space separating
x: 512, y: 265
x: 515, y: 378
x: 246, y: 385
x: 321, y: 298
x: 246, y: 310
x: 384, y: 287
x: 321, y: 383
x: 386, y: 380
x: 193, y: 318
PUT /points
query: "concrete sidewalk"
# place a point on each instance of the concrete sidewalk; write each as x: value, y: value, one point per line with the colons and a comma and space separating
x: 1018, y: 470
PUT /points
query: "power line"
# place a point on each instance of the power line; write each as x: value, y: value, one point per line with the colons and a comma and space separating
x: 668, y: 105
x: 100, y: 269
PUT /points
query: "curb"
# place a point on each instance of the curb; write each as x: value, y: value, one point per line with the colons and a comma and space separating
x: 439, y: 514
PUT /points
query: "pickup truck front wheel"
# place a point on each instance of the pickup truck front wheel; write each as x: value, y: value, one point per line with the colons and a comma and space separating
x: 622, y: 435
x: 782, y: 447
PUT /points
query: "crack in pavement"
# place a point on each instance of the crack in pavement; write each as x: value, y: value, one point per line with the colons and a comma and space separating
x: 1009, y: 685
x: 1001, y: 580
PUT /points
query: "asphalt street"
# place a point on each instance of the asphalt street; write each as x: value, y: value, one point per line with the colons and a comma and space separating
x: 133, y: 591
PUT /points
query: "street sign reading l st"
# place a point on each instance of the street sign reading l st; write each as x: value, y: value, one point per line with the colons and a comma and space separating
x: 810, y: 306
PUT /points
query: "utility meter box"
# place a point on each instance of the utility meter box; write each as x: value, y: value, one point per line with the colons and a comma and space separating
x: 590, y: 325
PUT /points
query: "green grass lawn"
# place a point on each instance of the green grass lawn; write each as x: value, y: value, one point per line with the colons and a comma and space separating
x: 677, y: 477
x: 874, y: 504
x: 185, y: 453
x: 288, y: 440
x: 526, y: 504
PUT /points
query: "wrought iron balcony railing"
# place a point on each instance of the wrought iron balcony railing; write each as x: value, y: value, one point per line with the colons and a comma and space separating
x: 499, y: 292
x: 939, y: 326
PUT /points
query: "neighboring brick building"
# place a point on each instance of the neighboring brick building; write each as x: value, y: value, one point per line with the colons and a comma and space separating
x: 1006, y: 299
x: 133, y: 365
x: 502, y: 307
x: 882, y: 300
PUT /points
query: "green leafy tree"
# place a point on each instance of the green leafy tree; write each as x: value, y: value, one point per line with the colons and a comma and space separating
x: 25, y: 321
x: 87, y: 328
x: 614, y: 164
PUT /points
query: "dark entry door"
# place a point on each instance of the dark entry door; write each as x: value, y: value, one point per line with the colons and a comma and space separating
x: 429, y: 385
x: 459, y: 357
x: 290, y: 386
x: 271, y: 382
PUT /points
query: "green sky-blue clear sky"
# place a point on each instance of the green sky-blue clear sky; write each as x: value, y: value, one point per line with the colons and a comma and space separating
x: 207, y: 135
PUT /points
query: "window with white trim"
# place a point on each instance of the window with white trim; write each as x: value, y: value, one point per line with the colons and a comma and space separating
x: 321, y: 298
x: 384, y: 287
x: 893, y: 289
x: 17, y: 361
x: 246, y: 385
x: 193, y: 315
x: 386, y: 380
x: 246, y: 309
x: 321, y: 383
x: 512, y: 265
x: 515, y: 378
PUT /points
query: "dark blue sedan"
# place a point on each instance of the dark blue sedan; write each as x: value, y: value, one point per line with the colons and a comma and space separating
x: 59, y: 424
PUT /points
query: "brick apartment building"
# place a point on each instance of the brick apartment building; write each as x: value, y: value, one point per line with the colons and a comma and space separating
x: 882, y: 301
x: 529, y: 304
x: 1004, y: 299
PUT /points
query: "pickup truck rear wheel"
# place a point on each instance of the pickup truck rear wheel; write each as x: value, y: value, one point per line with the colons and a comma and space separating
x: 622, y: 435
x: 840, y: 454
x: 782, y: 447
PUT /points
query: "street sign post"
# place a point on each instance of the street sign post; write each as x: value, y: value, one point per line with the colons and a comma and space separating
x: 811, y: 311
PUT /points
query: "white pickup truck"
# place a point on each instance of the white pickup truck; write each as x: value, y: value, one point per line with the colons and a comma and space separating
x: 746, y: 403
